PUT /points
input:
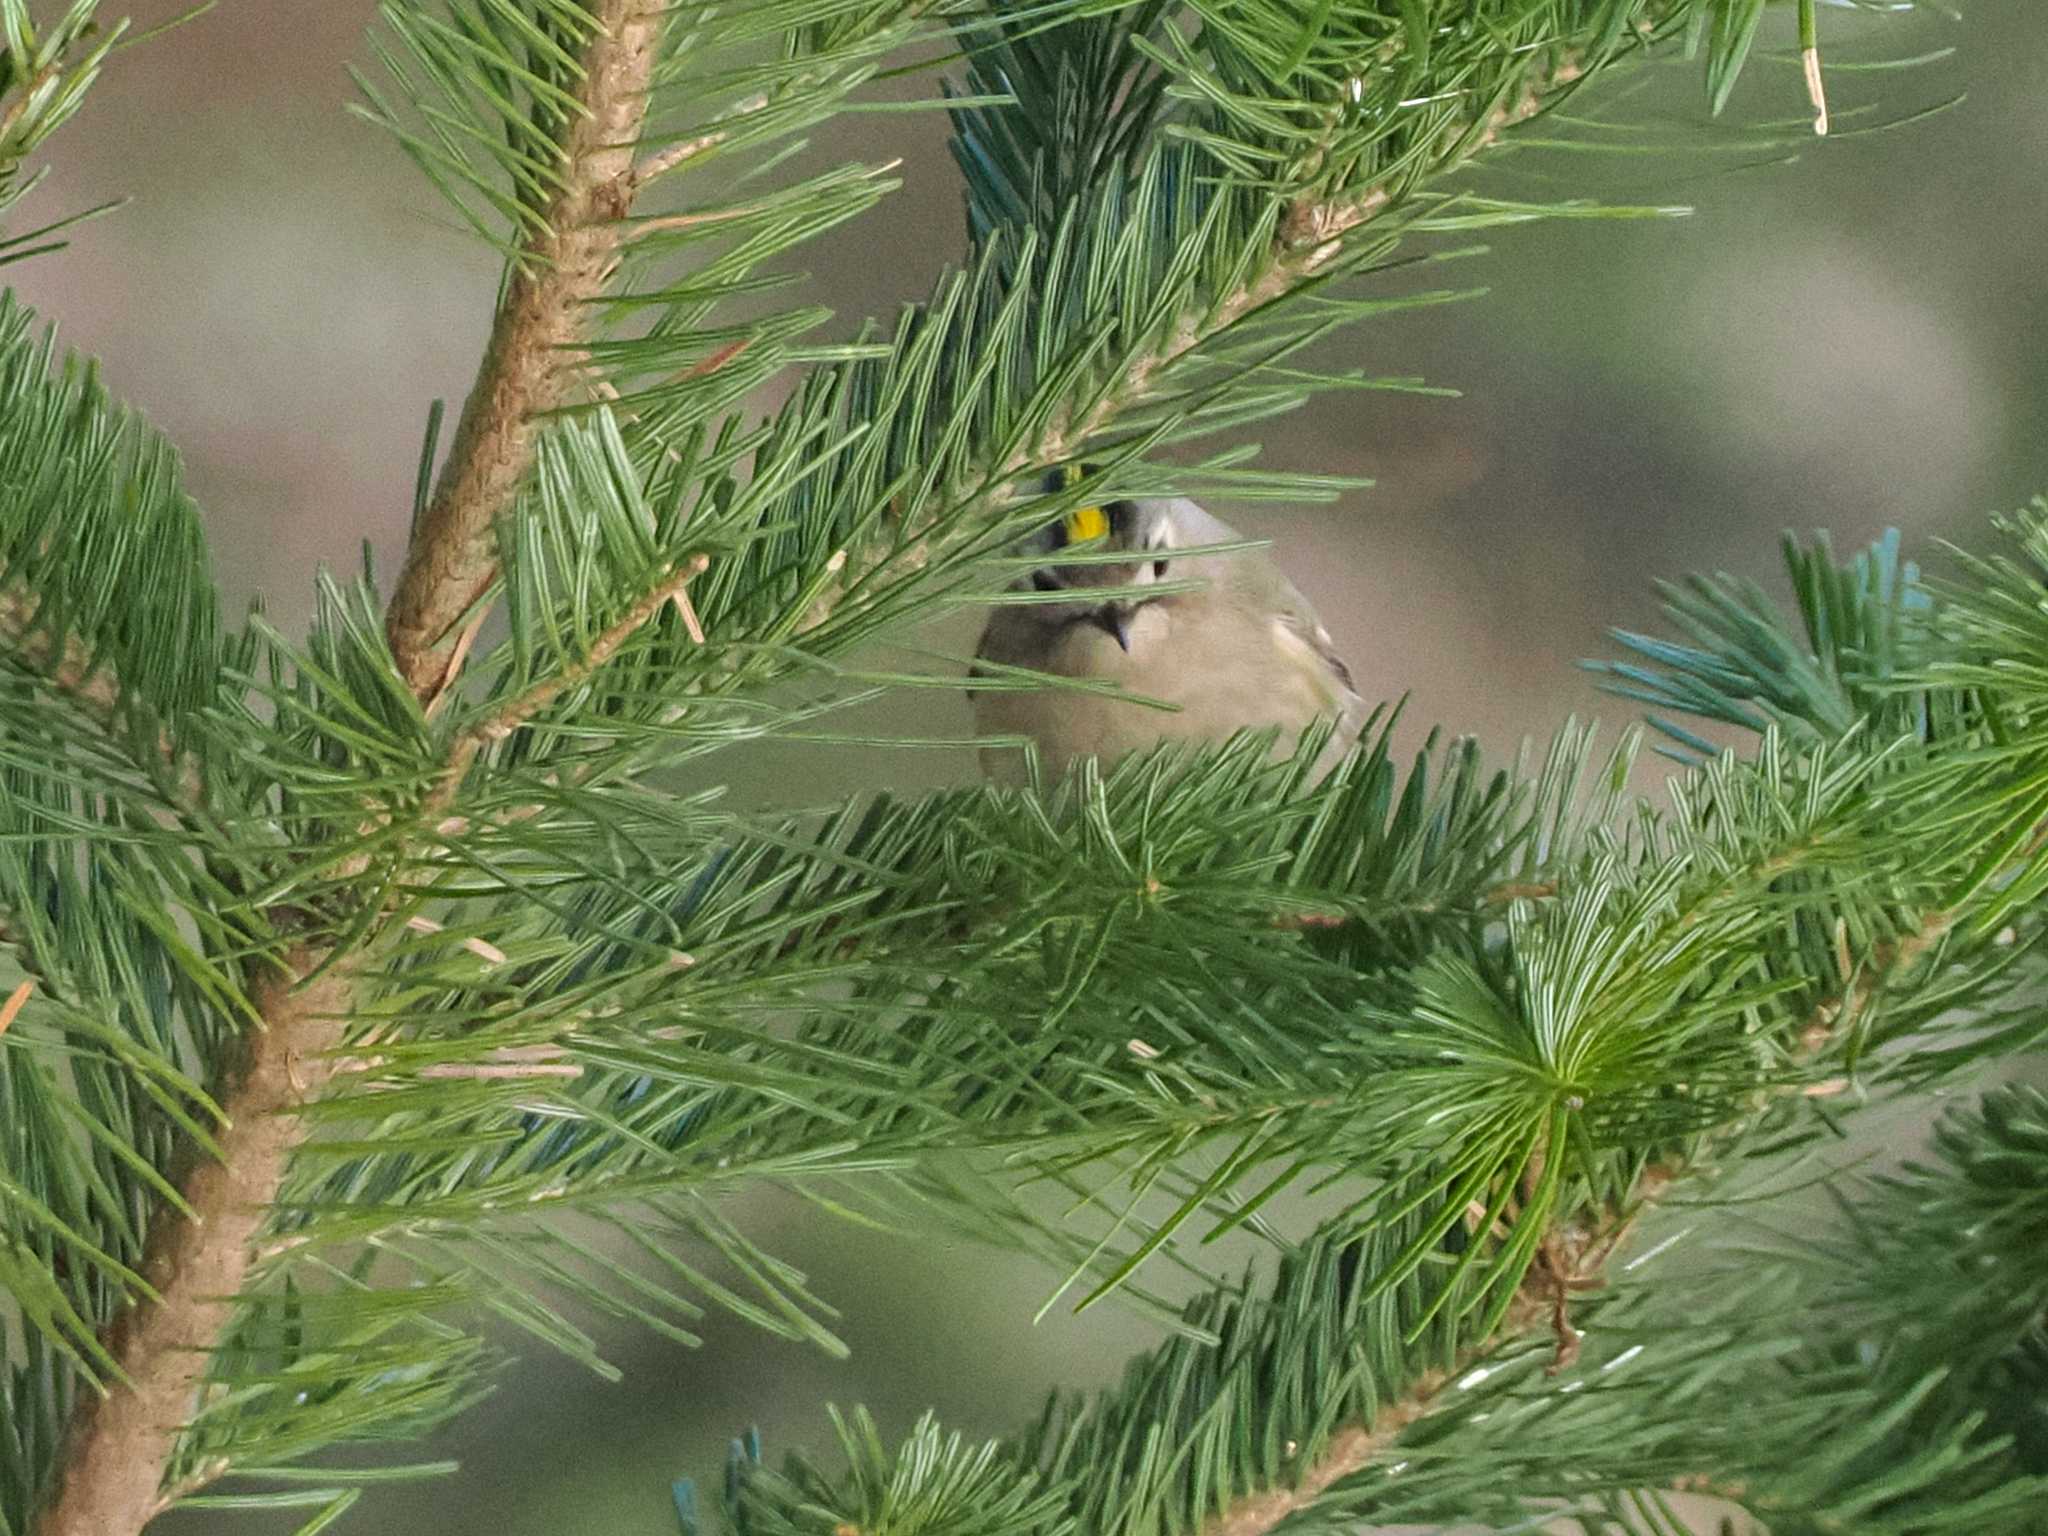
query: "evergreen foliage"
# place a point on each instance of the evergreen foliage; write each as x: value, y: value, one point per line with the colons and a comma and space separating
x: 444, y: 918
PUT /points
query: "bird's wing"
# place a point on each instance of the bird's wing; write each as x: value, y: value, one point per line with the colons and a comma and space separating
x: 1300, y: 626
x: 1001, y: 644
x: 1295, y: 628
x: 1260, y: 585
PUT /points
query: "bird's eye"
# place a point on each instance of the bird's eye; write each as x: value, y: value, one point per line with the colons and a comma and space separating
x: 1159, y: 570
x: 1045, y: 581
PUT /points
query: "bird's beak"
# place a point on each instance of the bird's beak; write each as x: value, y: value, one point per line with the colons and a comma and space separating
x: 1115, y: 619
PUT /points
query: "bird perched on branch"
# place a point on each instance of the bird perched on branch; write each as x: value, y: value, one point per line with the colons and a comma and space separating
x: 1222, y: 638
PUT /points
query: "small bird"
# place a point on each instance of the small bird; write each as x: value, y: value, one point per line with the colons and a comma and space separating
x: 1242, y: 651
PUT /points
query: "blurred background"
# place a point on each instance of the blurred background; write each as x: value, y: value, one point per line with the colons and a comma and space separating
x: 1852, y: 341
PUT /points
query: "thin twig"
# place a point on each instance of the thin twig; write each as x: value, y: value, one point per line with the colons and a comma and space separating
x: 1311, y: 236
x: 511, y: 1071
x: 663, y: 161
x: 1836, y: 1016
x: 1493, y: 896
x: 465, y: 640
x: 1350, y: 1449
x: 517, y: 711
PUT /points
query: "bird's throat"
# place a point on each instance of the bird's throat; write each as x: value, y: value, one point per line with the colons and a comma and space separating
x: 1144, y: 628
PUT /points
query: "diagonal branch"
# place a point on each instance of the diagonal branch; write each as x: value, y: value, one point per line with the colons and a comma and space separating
x: 1309, y: 237
x: 516, y: 711
x: 661, y: 162
x: 1864, y: 986
x: 1351, y: 1449
x: 1574, y: 1255
x: 535, y: 349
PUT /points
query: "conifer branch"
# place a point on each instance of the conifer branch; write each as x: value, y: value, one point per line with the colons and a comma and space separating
x: 569, y: 136
x: 118, y: 1444
x: 1309, y: 236
x: 534, y: 347
x: 1542, y: 1298
x: 1572, y: 1259
x: 91, y: 686
x: 1576, y: 1264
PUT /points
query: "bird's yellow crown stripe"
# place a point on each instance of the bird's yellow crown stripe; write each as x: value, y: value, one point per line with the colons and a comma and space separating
x: 1085, y: 523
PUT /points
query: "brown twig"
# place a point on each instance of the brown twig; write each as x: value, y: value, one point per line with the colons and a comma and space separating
x: 15, y: 1000
x: 1350, y: 1450
x: 516, y: 711
x: 1493, y: 896
x: 1835, y: 1016
x: 535, y: 346
x: 520, y: 1071
x: 661, y: 162
x: 68, y: 667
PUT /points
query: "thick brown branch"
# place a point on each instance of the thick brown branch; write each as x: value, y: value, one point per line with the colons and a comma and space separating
x: 110, y: 1481
x: 535, y: 349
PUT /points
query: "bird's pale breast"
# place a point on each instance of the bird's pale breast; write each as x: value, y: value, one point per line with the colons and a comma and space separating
x: 1233, y: 670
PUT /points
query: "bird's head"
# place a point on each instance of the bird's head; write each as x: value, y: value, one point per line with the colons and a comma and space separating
x: 1099, y: 559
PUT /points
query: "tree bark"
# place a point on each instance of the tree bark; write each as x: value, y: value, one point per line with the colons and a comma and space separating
x: 119, y: 1444
x: 534, y: 347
